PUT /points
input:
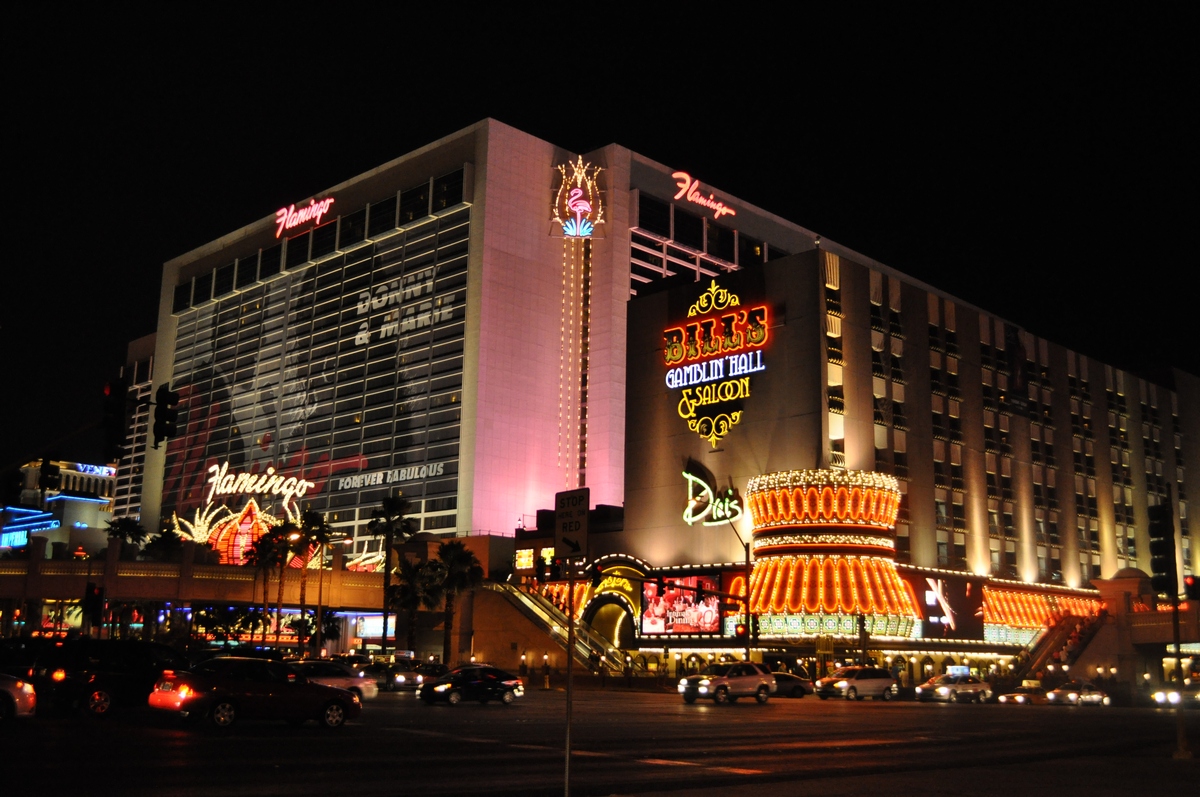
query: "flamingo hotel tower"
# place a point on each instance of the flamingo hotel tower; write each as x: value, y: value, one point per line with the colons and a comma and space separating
x: 490, y: 319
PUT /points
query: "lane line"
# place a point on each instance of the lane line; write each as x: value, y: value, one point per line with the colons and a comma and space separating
x: 668, y: 763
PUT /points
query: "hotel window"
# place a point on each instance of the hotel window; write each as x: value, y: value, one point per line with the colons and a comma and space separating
x: 720, y: 241
x: 749, y: 250
x: 689, y: 230
x: 900, y: 455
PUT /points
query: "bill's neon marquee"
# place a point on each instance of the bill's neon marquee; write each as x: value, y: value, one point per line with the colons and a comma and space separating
x: 289, y: 218
x: 712, y: 358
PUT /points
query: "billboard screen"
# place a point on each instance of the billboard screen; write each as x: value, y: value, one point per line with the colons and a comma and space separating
x: 676, y: 610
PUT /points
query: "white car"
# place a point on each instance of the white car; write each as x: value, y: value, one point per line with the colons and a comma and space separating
x: 725, y: 683
x: 332, y: 673
x: 17, y: 698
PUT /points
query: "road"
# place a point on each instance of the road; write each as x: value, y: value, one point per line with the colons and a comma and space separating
x: 623, y: 743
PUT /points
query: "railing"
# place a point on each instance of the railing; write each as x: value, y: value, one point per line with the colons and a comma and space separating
x: 554, y: 622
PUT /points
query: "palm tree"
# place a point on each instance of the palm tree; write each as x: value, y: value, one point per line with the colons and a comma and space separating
x: 390, y: 521
x: 418, y: 586
x: 462, y: 572
x: 128, y: 530
x: 313, y: 533
x: 282, y: 536
x: 263, y: 556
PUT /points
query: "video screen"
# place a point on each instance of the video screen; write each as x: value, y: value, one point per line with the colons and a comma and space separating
x: 676, y: 610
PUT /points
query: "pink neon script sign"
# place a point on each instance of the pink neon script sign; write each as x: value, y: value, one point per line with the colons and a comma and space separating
x: 690, y: 189
x: 288, y: 218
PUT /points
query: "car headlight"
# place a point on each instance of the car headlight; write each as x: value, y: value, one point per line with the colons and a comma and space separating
x: 1020, y: 698
x: 399, y: 679
x: 441, y: 687
x: 1052, y: 696
x: 704, y: 690
x: 683, y: 681
x: 1003, y: 698
x: 705, y: 682
x: 842, y: 684
x: 943, y: 691
x: 1073, y: 697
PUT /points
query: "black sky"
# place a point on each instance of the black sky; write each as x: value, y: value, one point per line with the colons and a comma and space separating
x: 1037, y: 164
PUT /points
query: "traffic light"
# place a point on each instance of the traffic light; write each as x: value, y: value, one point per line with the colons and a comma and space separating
x: 1191, y: 588
x: 165, y: 413
x: 93, y: 603
x: 552, y: 570
x: 49, y: 475
x: 740, y: 631
x: 1163, y: 578
x: 595, y: 574
x: 115, y: 419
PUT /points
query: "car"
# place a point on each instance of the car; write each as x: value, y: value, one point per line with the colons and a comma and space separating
x: 18, y: 698
x: 228, y: 689
x: 954, y: 689
x: 402, y: 674
x: 792, y: 685
x: 97, y: 676
x: 855, y: 683
x: 472, y: 682
x: 1171, y: 696
x: 1028, y: 694
x: 332, y: 673
x: 1078, y: 693
x: 725, y: 683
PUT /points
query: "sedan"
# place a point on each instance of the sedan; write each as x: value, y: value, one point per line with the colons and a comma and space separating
x: 1078, y: 693
x: 17, y: 698
x: 226, y: 690
x: 954, y: 689
x: 790, y: 685
x: 1025, y: 696
x: 332, y: 673
x: 476, y: 682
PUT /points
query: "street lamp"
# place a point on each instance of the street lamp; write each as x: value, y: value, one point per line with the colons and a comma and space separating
x: 749, y: 626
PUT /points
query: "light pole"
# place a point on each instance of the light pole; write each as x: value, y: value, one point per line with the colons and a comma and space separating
x: 746, y: 545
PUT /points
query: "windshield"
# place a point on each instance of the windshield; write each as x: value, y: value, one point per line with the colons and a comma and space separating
x: 845, y: 672
x: 718, y: 670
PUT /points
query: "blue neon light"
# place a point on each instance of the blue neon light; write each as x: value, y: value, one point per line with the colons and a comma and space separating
x: 14, y: 539
x: 578, y: 229
x: 77, y: 498
x: 33, y: 525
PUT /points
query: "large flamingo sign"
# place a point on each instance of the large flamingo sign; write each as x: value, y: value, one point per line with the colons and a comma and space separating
x: 689, y: 189
x: 577, y: 205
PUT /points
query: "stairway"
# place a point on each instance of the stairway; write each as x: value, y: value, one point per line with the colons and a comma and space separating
x: 550, y: 619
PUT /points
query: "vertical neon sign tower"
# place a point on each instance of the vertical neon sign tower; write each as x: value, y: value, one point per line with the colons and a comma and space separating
x: 578, y: 208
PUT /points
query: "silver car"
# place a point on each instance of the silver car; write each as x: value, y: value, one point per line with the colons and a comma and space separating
x: 725, y: 683
x: 17, y: 698
x: 336, y: 674
x: 855, y: 683
x: 954, y: 689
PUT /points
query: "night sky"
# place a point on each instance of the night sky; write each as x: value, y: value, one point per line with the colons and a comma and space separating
x: 1038, y: 166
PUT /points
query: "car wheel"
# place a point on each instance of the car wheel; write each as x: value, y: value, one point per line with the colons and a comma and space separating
x: 508, y: 697
x: 389, y: 686
x: 454, y: 698
x: 357, y: 693
x: 334, y: 715
x: 721, y: 695
x: 99, y: 703
x: 885, y: 695
x: 689, y: 699
x: 852, y: 694
x: 954, y: 698
x: 7, y: 709
x: 223, y: 714
x: 823, y: 697
x: 797, y: 691
x: 762, y: 695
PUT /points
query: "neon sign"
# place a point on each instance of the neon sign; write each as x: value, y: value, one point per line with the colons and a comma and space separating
x: 289, y: 218
x: 706, y: 506
x: 577, y: 205
x: 727, y: 339
x: 96, y: 470
x: 266, y: 483
x: 689, y: 189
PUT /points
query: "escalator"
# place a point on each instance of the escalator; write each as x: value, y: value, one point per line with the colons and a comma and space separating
x: 553, y: 622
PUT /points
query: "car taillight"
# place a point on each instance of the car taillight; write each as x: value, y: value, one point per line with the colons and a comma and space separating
x: 59, y: 675
x: 184, y: 691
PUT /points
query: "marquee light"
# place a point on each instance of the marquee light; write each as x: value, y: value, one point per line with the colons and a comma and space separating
x: 833, y: 584
x: 1032, y: 610
x: 823, y: 497
x: 289, y: 218
x: 689, y: 189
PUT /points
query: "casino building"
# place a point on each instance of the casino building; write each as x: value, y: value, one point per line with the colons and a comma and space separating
x: 490, y: 319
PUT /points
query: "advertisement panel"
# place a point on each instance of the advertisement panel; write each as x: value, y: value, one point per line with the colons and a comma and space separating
x: 951, y: 604
x: 676, y: 611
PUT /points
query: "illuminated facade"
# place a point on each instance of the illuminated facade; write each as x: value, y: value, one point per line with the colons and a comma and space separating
x: 490, y: 319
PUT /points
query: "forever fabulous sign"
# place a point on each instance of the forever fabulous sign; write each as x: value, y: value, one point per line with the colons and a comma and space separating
x: 725, y: 340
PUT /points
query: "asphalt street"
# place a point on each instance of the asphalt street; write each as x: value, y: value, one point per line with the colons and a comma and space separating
x: 622, y: 743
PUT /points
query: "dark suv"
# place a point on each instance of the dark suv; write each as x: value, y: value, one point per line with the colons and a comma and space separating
x: 92, y: 674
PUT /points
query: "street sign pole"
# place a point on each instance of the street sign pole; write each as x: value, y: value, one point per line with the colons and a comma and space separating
x: 570, y: 544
